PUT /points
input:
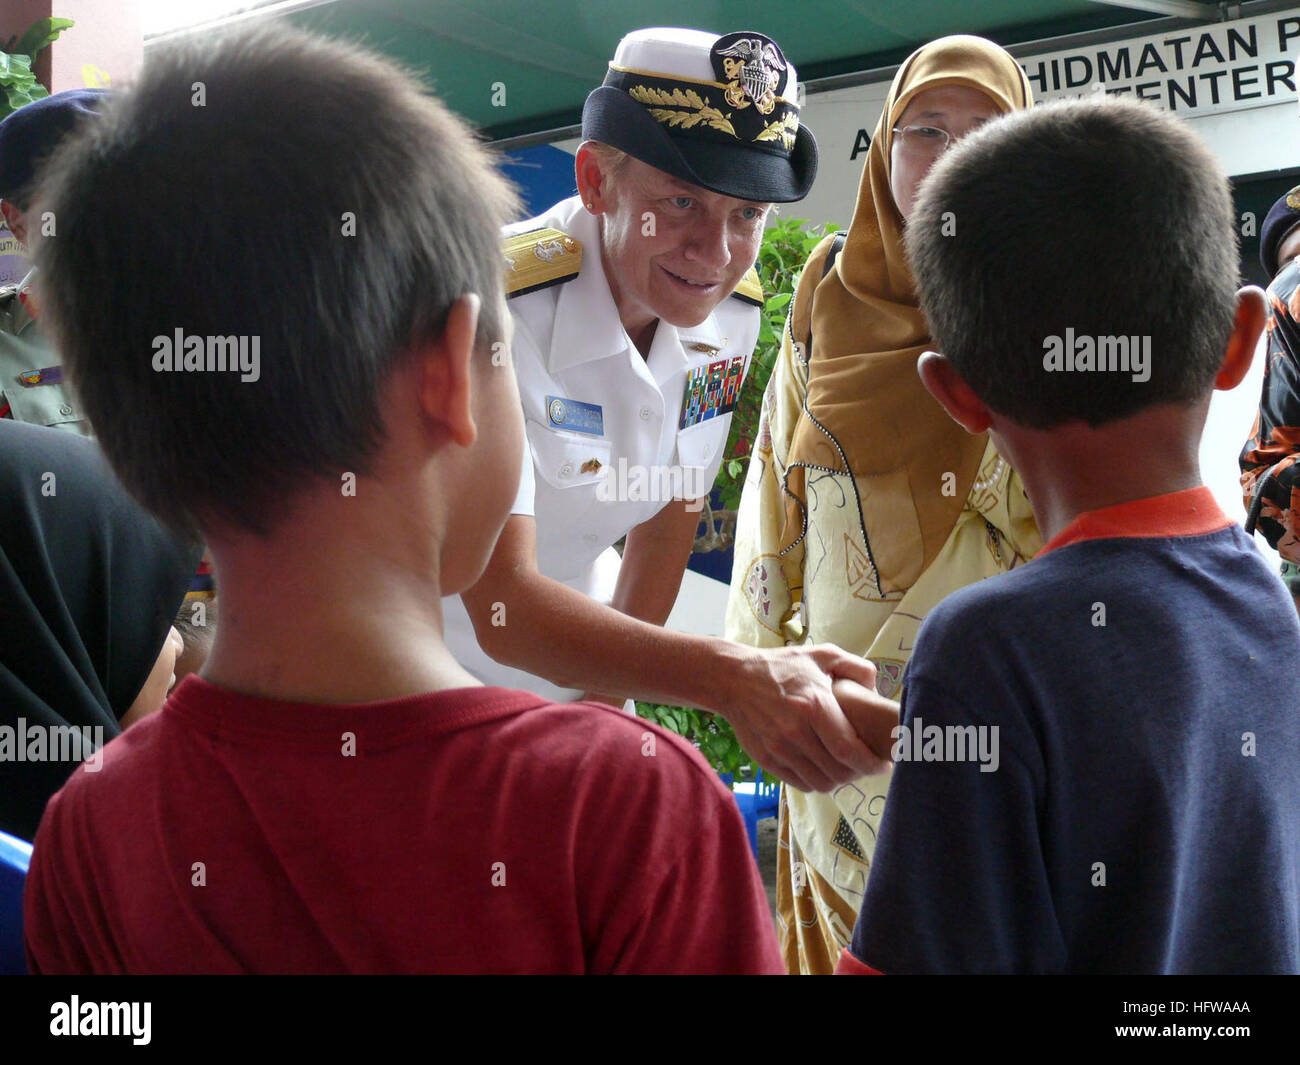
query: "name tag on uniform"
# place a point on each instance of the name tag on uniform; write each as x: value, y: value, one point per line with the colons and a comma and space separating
x: 576, y: 416
x: 51, y: 375
x: 712, y: 390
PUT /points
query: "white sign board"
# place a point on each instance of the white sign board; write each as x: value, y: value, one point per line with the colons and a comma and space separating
x: 1228, y: 66
x: 1235, y: 82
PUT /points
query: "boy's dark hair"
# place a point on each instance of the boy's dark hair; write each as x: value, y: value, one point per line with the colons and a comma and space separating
x: 194, y: 634
x: 1101, y: 216
x: 275, y: 185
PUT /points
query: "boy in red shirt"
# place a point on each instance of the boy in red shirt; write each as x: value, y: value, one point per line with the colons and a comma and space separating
x: 335, y: 793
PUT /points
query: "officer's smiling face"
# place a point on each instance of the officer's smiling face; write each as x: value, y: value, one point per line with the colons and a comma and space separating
x: 670, y: 249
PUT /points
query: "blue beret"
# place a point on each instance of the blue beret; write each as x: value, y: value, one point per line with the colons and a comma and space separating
x: 32, y: 132
x: 1282, y: 217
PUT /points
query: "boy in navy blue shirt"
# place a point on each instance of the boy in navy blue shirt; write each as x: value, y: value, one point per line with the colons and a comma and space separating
x: 1098, y: 765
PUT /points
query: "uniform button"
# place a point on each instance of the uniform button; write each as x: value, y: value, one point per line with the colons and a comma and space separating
x: 645, y: 414
x: 590, y: 537
x: 566, y: 470
x: 65, y: 409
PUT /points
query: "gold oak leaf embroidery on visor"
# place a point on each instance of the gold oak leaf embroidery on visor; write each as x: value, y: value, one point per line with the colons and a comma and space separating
x: 784, y: 129
x: 657, y: 101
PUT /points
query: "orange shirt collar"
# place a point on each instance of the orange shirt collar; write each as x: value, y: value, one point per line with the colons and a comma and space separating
x: 1191, y: 512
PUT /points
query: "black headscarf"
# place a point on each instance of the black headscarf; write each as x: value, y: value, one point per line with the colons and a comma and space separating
x: 89, y: 584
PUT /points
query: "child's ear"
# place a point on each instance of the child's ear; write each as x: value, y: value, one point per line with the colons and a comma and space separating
x: 445, y: 392
x: 953, y: 393
x: 14, y: 220
x: 1252, y: 313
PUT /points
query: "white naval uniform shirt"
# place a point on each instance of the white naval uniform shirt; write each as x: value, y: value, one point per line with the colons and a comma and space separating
x: 569, y: 344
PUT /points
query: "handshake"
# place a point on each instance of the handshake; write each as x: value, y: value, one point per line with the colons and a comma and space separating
x: 811, y: 715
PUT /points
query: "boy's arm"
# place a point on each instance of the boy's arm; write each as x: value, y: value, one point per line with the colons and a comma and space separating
x: 52, y: 933
x: 667, y: 882
x: 779, y: 702
x: 709, y: 912
x: 958, y: 883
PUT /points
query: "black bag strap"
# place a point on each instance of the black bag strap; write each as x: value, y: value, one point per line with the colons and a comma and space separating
x: 837, y: 246
x: 1257, y: 502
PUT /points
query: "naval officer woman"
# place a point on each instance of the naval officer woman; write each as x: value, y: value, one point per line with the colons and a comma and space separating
x: 635, y: 313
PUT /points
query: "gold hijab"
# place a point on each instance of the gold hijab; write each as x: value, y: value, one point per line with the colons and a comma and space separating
x: 867, y: 412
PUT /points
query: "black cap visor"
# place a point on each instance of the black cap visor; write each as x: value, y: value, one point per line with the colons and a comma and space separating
x: 747, y: 173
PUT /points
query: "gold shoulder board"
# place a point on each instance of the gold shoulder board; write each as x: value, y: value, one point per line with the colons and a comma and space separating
x: 540, y: 258
x: 750, y: 288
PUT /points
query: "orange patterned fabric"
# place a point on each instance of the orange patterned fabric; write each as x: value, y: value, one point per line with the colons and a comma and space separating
x: 1268, y: 461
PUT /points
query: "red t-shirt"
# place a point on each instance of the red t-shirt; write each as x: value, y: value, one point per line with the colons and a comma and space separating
x: 473, y: 830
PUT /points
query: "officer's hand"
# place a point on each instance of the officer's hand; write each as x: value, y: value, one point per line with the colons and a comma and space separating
x: 785, y: 714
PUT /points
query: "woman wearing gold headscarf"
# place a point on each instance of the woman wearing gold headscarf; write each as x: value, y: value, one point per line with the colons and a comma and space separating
x: 865, y: 505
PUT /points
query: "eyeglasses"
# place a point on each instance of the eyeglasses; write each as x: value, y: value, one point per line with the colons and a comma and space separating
x: 925, y: 140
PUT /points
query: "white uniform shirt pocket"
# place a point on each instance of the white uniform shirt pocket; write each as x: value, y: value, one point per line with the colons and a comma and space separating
x: 567, y: 460
x: 697, y: 444
x: 699, y: 456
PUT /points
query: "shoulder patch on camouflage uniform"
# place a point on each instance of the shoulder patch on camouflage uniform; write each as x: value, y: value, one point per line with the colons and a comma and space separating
x: 540, y: 258
x: 750, y: 288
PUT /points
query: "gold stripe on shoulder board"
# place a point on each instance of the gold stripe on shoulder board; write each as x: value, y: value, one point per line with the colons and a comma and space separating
x: 539, y: 258
x: 750, y: 288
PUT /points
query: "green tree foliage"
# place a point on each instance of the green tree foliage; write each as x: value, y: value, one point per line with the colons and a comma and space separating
x: 18, y: 85
x: 786, y: 247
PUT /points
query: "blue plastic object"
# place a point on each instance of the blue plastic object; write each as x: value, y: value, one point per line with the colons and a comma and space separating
x: 762, y: 803
x: 544, y: 174
x: 15, y: 855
